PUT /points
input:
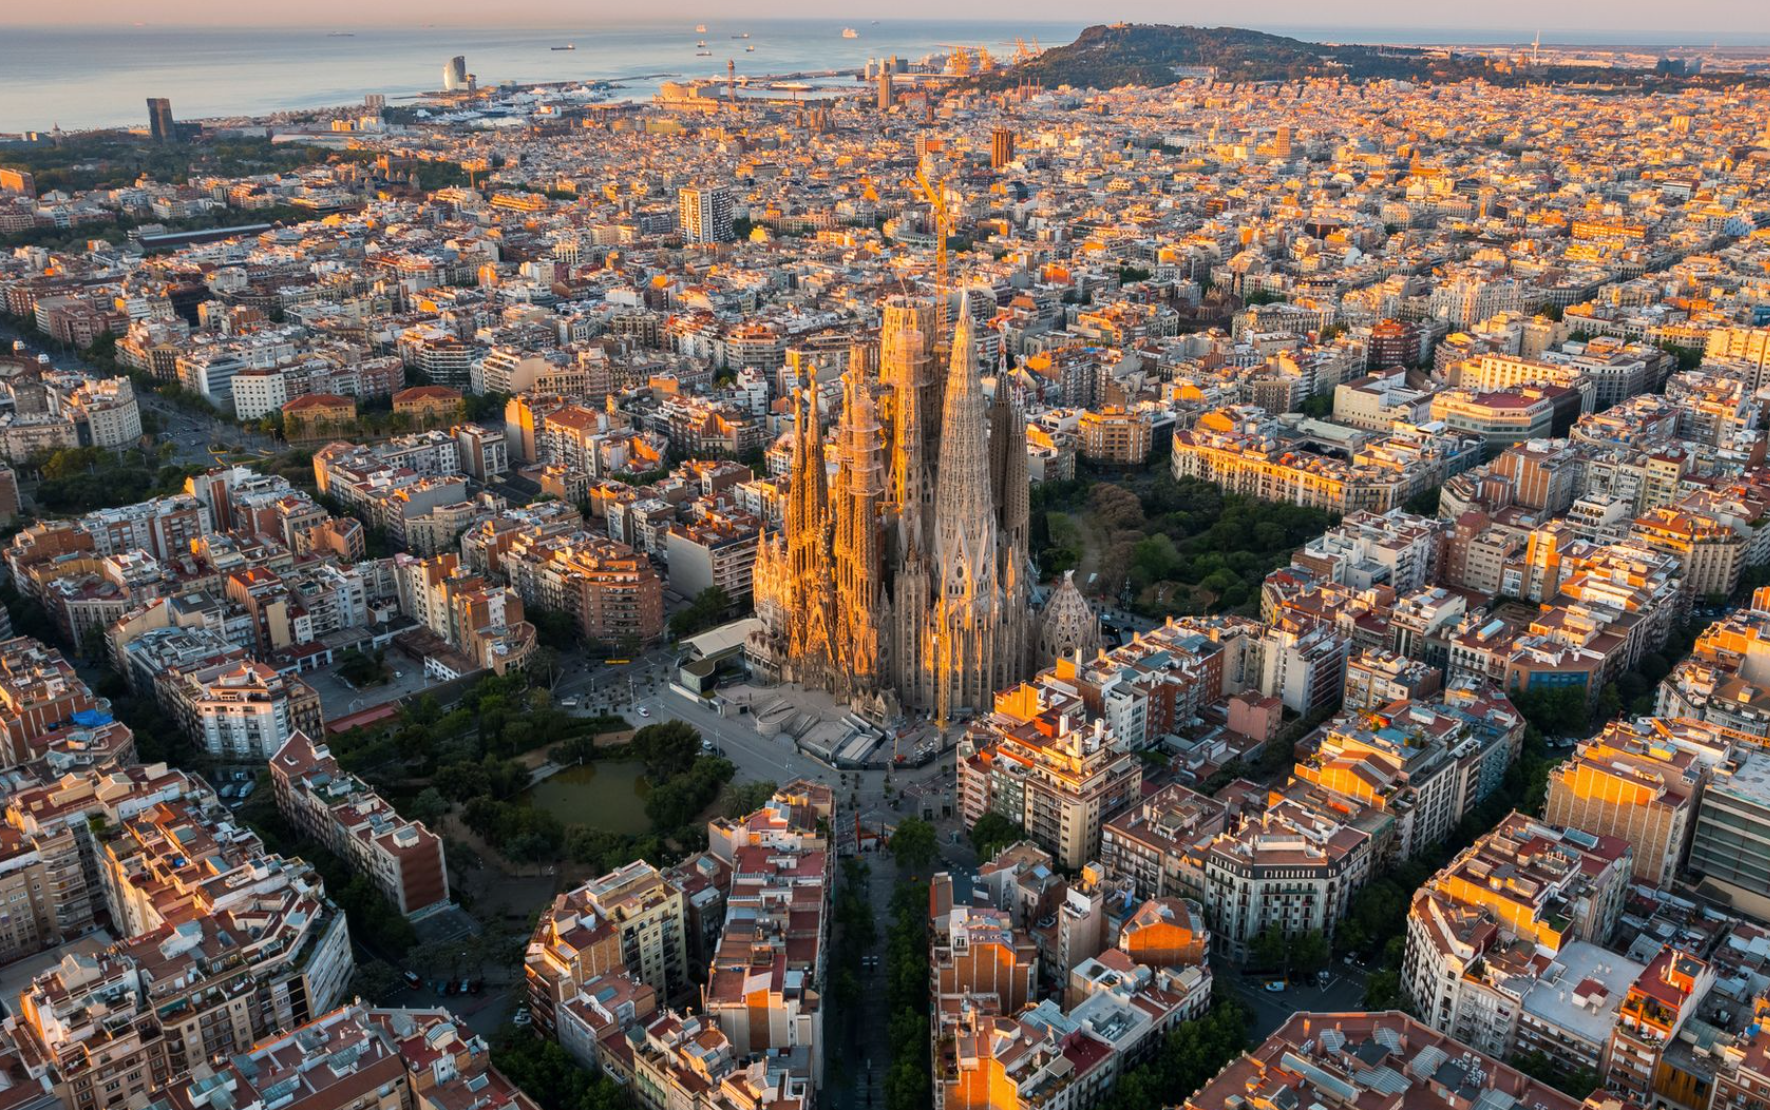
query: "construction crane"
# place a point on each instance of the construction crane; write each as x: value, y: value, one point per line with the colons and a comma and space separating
x: 935, y: 194
x: 1023, y: 50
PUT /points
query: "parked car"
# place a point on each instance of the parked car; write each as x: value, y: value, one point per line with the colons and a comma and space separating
x: 644, y: 712
x: 464, y: 986
x: 412, y: 980
x: 1276, y: 986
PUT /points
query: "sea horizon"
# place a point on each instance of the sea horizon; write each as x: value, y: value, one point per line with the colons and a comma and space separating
x: 85, y: 77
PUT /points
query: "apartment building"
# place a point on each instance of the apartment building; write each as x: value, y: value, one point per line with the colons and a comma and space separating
x: 684, y: 1062
x: 763, y: 982
x: 1375, y: 679
x: 1338, y: 1061
x: 1394, y: 549
x: 646, y: 912
x: 593, y: 1025
x: 28, y: 890
x: 717, y: 549
x: 1036, y: 760
x: 1292, y: 867
x: 1067, y: 1054
x: 340, y: 1060
x: 1303, y: 668
x: 140, y: 1014
x: 244, y: 711
x: 1570, y: 1012
x: 977, y: 960
x: 1065, y: 920
x: 1490, y: 921
x: 613, y: 593
x: 1661, y: 1003
x: 1115, y: 436
x: 1426, y: 764
x: 573, y: 944
x: 402, y: 858
x: 39, y: 695
x: 1635, y: 783
x: 1711, y: 552
x: 1730, y: 840
x: 1149, y: 844
x: 482, y: 622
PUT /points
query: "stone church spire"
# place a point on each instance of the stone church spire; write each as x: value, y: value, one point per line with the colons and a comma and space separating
x: 856, y: 503
x: 812, y: 632
x: 1011, y: 492
x: 964, y: 626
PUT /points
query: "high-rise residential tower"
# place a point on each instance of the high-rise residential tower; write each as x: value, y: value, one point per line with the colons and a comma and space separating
x: 161, y: 125
x: 704, y: 214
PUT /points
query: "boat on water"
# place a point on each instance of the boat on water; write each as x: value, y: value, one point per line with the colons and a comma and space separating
x: 702, y: 45
x: 700, y: 28
x: 749, y: 50
x: 850, y: 33
x: 567, y: 46
x: 745, y: 35
x: 703, y: 53
x: 341, y: 34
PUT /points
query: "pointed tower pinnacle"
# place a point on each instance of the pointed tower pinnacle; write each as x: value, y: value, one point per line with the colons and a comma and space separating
x: 967, y: 602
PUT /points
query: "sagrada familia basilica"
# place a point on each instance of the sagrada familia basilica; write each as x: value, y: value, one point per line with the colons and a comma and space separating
x: 905, y: 583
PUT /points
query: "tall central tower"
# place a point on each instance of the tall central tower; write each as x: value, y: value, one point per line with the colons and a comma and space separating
x: 963, y: 628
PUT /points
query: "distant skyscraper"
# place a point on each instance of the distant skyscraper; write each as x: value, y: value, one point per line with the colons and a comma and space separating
x: 1001, y: 148
x: 375, y: 103
x: 160, y: 122
x: 885, y: 91
x: 455, y: 74
x: 704, y: 214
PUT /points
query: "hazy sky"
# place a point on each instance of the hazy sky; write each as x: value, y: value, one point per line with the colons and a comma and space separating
x: 1687, y: 16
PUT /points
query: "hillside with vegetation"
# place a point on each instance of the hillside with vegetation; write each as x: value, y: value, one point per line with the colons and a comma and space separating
x: 1111, y: 55
x: 1107, y: 56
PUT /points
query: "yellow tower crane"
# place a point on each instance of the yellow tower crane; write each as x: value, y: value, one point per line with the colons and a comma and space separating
x: 935, y: 194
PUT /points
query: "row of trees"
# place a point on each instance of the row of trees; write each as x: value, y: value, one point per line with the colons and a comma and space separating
x: 906, y: 992
x: 1301, y: 955
x: 856, y: 932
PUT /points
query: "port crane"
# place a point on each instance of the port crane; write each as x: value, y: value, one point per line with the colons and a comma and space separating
x: 966, y: 58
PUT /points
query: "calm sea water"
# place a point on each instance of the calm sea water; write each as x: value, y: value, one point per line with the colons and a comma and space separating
x: 100, y: 77
x: 84, y: 78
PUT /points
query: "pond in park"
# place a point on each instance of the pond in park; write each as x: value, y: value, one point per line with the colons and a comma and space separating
x: 603, y: 795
